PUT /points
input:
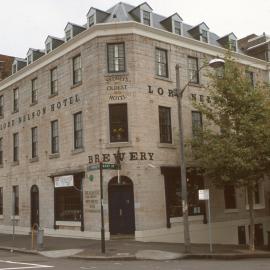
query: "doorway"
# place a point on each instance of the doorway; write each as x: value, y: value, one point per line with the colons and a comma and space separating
x: 121, y: 206
x: 34, y: 205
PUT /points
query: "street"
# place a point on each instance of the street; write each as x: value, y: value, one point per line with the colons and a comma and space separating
x: 17, y: 261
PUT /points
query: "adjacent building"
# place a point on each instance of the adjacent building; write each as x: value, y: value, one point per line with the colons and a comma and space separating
x: 5, y: 66
x: 105, y: 93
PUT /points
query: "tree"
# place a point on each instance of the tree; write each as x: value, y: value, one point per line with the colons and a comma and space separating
x: 234, y: 146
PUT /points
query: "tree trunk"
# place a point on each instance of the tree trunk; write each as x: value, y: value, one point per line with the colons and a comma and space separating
x: 251, y: 218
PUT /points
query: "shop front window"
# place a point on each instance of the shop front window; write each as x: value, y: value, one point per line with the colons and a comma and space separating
x: 68, y: 199
x: 174, y: 197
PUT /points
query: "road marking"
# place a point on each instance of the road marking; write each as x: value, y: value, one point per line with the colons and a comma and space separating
x: 27, y: 265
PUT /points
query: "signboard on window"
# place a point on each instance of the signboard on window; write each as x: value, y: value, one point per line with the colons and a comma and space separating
x: 203, y: 194
x: 64, y: 181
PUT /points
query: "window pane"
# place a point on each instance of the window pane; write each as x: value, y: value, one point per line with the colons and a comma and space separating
x: 118, y: 122
x: 161, y: 63
x: 54, y: 137
x: 15, y: 200
x: 34, y: 142
x: 196, y: 122
x: 1, y: 201
x: 116, y: 57
x: 34, y: 90
x: 1, y: 106
x: 204, y: 35
x: 16, y: 100
x: 78, y: 132
x: 229, y: 197
x: 68, y: 201
x: 177, y: 27
x: 16, y: 147
x: 54, y: 81
x: 165, y: 125
x: 193, y: 70
x: 77, y: 70
x: 1, y: 151
x: 146, y: 18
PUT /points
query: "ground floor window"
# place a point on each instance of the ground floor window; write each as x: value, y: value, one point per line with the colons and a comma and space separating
x: 173, y: 192
x: 68, y: 201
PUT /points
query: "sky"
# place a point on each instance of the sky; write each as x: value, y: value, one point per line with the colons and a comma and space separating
x: 26, y: 24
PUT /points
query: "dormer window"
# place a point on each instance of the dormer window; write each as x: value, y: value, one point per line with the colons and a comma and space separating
x: 91, y: 20
x: 48, y: 47
x: 177, y: 28
x: 68, y: 35
x: 29, y: 59
x: 233, y: 45
x: 14, y: 68
x: 146, y: 18
x: 229, y: 42
x: 204, y: 36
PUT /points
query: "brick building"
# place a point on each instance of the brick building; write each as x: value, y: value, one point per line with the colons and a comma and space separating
x: 5, y: 66
x: 104, y: 92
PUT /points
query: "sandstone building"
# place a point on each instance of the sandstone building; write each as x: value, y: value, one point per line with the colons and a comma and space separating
x: 105, y: 92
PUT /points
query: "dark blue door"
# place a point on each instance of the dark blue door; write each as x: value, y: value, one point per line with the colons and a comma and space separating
x: 121, y: 209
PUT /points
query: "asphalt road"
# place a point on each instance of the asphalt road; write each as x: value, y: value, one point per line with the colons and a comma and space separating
x: 17, y: 261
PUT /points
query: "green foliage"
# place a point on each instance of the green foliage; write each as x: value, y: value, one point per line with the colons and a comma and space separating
x: 235, y: 147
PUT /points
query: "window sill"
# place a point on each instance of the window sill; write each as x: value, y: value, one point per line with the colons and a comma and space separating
x: 229, y: 211
x: 55, y: 155
x: 166, y: 145
x: 1, y: 166
x: 1, y: 116
x: 167, y: 79
x: 77, y: 151
x: 35, y: 159
x: 258, y: 206
x: 68, y: 223
x: 53, y: 95
x: 15, y: 112
x: 195, y: 85
x: 119, y: 145
x: 33, y: 104
x: 15, y: 163
x: 76, y: 85
x: 121, y: 73
x: 1, y: 217
x: 198, y: 218
x: 15, y: 217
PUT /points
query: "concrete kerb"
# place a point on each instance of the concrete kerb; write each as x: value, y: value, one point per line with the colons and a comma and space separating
x: 20, y: 250
x: 173, y: 256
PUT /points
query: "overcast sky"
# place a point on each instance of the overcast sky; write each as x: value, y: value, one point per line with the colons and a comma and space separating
x: 27, y: 23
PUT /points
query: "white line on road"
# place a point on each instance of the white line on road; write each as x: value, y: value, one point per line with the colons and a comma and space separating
x: 29, y: 265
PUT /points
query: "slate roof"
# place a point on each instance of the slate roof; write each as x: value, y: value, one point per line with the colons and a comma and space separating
x: 121, y: 10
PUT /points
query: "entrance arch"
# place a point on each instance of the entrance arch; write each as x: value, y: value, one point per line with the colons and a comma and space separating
x: 121, y: 206
x: 34, y: 205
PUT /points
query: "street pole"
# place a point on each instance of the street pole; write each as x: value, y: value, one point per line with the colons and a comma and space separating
x: 210, y: 226
x: 182, y: 163
x: 101, y: 209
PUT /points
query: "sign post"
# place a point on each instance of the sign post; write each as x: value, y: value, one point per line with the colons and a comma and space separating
x: 102, y: 166
x: 204, y: 196
x: 101, y: 208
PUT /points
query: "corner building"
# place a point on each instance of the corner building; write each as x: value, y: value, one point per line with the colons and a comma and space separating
x: 105, y: 92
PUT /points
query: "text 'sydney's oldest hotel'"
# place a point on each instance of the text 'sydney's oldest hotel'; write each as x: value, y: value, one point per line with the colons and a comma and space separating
x: 105, y: 92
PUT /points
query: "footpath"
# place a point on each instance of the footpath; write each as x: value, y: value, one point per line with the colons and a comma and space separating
x: 125, y: 249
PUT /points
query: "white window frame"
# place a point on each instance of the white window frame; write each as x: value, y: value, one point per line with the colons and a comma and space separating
x: 50, y: 47
x: 173, y: 27
x: 30, y: 58
x: 94, y: 19
x: 261, y: 204
x: 71, y: 34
